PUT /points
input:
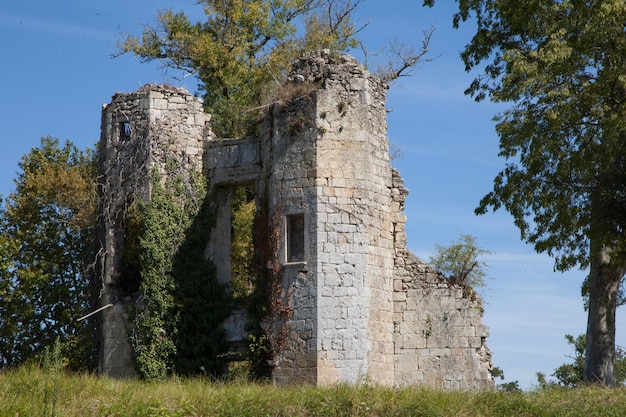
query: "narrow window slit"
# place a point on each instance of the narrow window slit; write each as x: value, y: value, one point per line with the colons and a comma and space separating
x: 295, y: 238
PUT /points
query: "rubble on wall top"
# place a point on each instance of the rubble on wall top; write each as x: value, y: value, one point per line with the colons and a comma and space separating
x: 316, y: 66
x: 158, y: 88
x: 163, y: 88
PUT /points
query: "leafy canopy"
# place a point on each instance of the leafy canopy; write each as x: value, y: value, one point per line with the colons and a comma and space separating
x: 243, y: 49
x: 560, y: 64
x: 46, y: 244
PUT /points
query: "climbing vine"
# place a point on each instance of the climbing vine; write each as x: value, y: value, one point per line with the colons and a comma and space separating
x: 264, y: 331
x: 269, y: 310
x: 177, y: 324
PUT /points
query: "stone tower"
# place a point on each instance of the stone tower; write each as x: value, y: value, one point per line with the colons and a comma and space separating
x: 141, y: 131
x: 332, y: 174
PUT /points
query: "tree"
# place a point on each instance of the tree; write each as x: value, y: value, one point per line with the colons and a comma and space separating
x: 244, y: 49
x: 572, y: 374
x: 560, y: 66
x: 45, y: 246
x: 460, y: 262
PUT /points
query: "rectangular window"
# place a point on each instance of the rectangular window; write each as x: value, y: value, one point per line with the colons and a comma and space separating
x: 124, y: 128
x: 295, y: 238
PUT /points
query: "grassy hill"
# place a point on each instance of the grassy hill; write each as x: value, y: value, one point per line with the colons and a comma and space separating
x: 29, y: 391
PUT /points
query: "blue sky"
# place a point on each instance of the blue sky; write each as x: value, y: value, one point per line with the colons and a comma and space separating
x: 58, y: 71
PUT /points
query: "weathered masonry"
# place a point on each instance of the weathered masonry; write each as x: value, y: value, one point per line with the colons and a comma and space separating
x: 361, y: 306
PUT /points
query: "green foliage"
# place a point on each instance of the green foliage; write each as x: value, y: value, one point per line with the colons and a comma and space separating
x: 242, y: 48
x: 202, y: 304
x: 242, y: 248
x: 162, y: 231
x: 572, y: 374
x: 259, y: 351
x: 511, y: 386
x: 560, y: 66
x: 178, y: 329
x: 496, y: 372
x: 566, y: 125
x: 460, y: 261
x: 158, y: 409
x: 267, y: 309
x: 46, y: 243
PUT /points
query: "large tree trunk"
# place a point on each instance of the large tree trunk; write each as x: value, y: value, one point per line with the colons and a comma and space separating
x: 604, y: 281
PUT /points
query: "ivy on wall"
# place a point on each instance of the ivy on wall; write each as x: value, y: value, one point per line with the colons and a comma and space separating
x: 177, y: 326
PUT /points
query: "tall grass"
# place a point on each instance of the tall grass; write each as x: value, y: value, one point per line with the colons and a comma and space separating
x: 26, y: 391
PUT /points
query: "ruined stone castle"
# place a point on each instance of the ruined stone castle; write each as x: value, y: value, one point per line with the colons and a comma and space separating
x: 363, y: 308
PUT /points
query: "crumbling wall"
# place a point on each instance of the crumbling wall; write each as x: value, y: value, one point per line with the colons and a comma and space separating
x: 439, y: 337
x: 379, y: 312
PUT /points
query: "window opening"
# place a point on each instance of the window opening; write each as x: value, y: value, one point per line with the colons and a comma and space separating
x: 295, y: 238
x: 243, y: 210
x: 124, y: 128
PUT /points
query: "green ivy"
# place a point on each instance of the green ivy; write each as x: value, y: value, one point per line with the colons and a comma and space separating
x: 178, y: 327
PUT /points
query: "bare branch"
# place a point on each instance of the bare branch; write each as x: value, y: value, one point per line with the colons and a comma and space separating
x: 404, y: 58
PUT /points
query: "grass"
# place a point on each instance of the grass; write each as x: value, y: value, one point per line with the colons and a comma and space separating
x: 26, y: 391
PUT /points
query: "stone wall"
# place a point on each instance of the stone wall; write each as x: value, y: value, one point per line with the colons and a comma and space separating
x: 353, y: 303
x: 362, y: 303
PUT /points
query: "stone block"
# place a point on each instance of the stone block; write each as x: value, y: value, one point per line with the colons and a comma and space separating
x: 438, y: 341
x: 412, y: 303
x: 459, y: 342
x: 482, y: 331
x: 428, y: 364
x: 475, y: 342
x: 345, y: 268
x: 406, y: 363
x: 156, y: 95
x: 414, y: 341
x: 159, y: 104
